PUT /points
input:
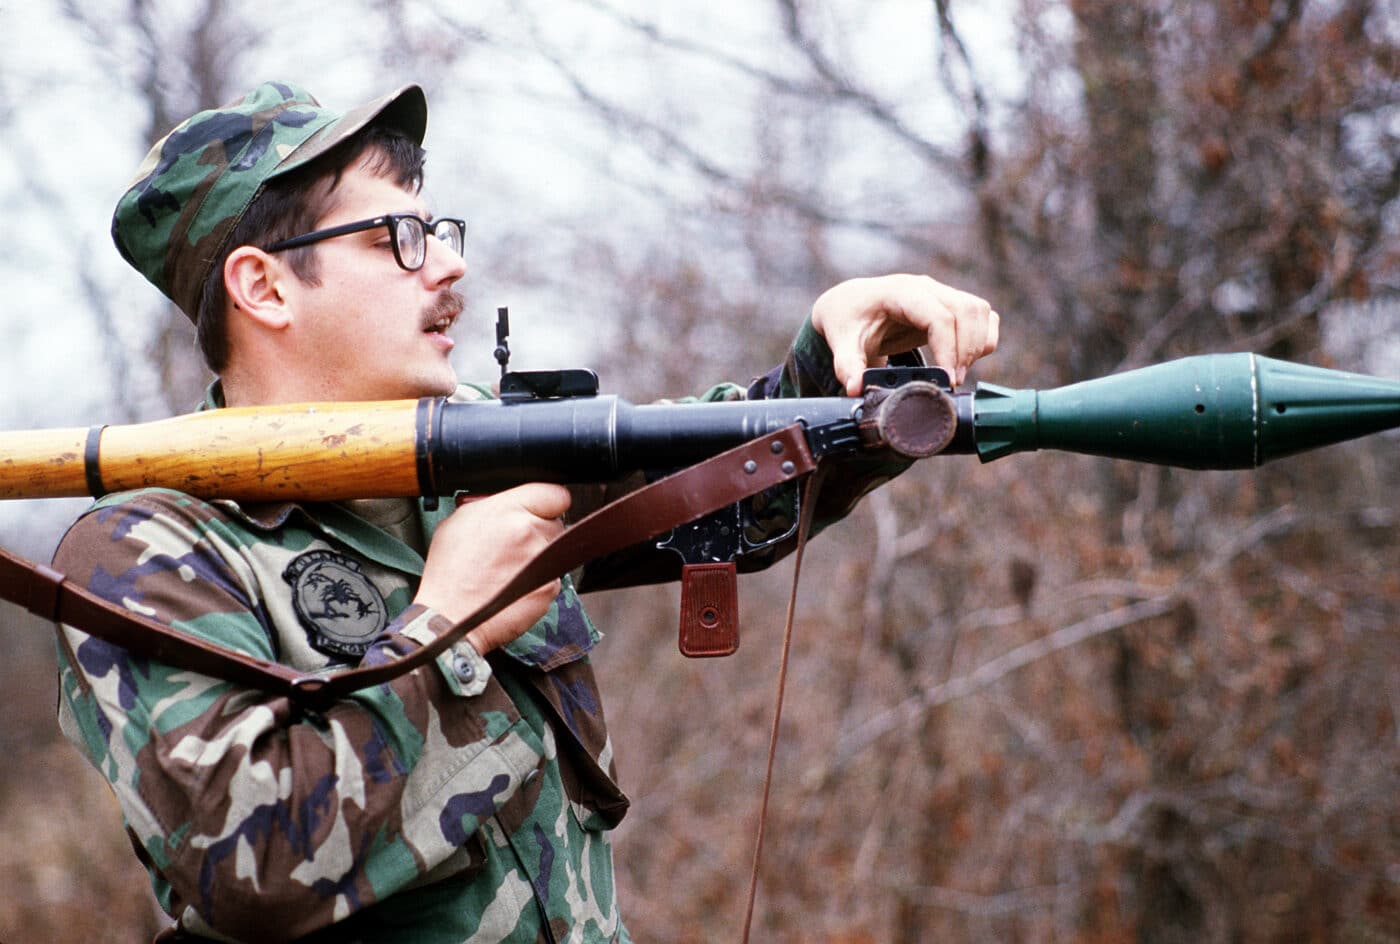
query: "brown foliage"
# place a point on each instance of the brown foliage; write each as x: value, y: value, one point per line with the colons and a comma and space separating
x: 1222, y: 770
x: 1057, y: 698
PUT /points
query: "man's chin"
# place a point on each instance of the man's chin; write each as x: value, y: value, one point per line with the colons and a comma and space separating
x: 437, y: 386
x: 419, y: 381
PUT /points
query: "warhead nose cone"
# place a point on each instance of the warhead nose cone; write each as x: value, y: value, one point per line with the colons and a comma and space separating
x: 1215, y: 411
x: 1302, y: 407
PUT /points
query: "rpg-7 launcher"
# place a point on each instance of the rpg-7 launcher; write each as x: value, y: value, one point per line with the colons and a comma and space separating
x: 1231, y: 411
x: 1221, y: 411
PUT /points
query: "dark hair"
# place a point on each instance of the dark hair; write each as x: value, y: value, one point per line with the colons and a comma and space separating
x: 290, y: 205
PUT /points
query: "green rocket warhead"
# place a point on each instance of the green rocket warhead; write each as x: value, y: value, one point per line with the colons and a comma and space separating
x: 1215, y: 411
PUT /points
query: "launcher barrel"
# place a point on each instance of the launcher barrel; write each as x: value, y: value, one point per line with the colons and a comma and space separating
x: 335, y: 451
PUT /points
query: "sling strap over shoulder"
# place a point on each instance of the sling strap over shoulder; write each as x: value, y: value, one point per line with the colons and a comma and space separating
x: 729, y: 477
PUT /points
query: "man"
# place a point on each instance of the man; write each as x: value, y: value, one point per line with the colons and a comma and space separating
x: 467, y: 801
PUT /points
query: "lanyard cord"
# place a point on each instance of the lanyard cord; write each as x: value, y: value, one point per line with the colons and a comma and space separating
x: 809, y: 497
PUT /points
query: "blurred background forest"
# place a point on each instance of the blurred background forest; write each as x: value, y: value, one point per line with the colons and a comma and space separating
x: 1053, y: 698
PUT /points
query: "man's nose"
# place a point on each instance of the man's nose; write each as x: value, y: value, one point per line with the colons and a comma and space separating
x: 441, y: 263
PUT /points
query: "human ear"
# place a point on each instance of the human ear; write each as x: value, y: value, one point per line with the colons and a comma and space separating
x: 253, y: 283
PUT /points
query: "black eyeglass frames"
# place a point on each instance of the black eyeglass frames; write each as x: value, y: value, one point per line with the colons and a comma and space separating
x: 408, y: 234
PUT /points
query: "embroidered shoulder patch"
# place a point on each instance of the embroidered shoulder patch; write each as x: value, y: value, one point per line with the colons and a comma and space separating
x: 341, y: 611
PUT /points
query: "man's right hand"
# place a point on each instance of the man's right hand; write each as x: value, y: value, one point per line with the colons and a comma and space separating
x: 480, y: 546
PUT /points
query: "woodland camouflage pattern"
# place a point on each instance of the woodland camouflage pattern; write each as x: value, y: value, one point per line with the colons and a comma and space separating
x: 197, y: 181
x: 424, y: 809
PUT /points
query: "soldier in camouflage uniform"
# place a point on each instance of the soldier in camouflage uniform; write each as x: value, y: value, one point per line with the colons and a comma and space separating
x: 467, y: 801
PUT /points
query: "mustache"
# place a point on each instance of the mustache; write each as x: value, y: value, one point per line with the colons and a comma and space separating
x: 449, y: 304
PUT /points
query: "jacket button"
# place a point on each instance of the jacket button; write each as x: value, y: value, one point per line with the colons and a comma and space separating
x: 462, y: 666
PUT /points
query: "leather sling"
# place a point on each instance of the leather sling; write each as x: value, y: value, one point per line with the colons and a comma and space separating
x: 731, y: 476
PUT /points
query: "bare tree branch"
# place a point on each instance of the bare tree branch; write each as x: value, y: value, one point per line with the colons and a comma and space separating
x: 671, y: 143
x: 995, y: 905
x: 839, y: 87
x: 913, y: 709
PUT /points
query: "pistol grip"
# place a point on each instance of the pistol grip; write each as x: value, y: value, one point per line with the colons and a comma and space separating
x: 709, y: 610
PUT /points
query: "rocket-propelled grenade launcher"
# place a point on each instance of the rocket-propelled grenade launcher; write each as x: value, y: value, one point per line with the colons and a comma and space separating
x: 1231, y: 411
x: 1219, y: 411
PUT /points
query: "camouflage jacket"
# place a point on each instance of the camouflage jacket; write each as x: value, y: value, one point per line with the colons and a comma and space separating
x: 451, y: 805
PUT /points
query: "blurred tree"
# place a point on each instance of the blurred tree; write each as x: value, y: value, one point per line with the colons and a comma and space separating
x: 174, y: 64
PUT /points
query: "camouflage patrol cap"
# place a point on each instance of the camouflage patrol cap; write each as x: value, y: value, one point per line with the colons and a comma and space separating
x: 197, y: 181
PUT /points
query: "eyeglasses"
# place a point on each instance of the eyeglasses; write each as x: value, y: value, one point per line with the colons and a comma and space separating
x: 408, y: 235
